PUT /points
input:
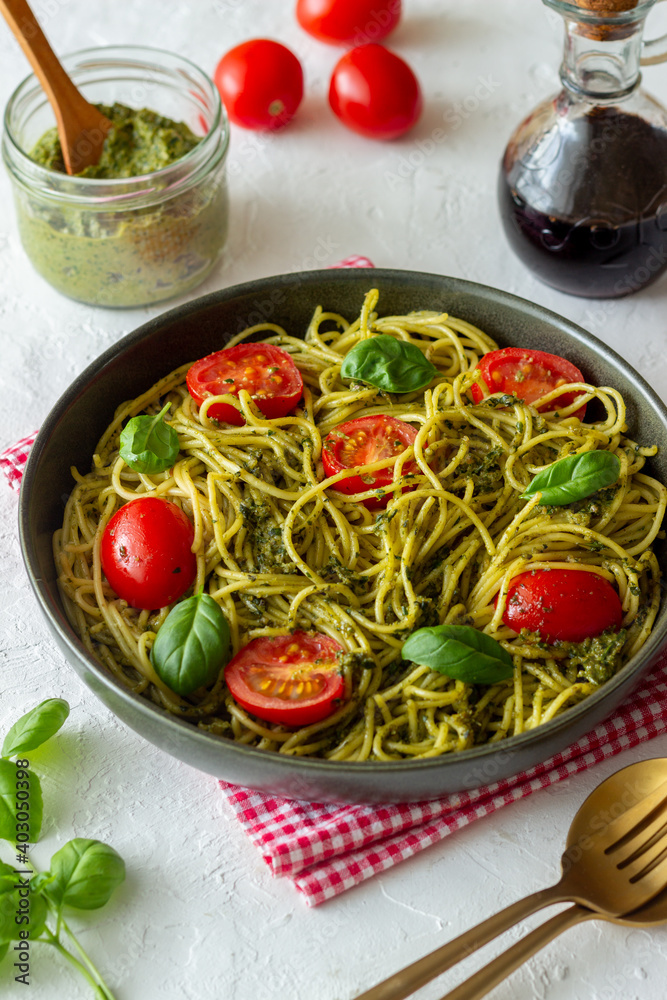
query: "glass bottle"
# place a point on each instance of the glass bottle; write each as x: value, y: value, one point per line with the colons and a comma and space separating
x: 583, y: 181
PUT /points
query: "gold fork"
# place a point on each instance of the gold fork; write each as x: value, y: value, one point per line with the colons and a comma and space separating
x: 611, y: 866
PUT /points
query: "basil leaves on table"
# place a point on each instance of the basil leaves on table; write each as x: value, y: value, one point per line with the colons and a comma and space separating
x: 35, y: 727
x: 12, y: 808
x: 192, y: 645
x: 389, y: 364
x: 574, y: 478
x: 83, y: 873
x: 461, y: 652
x: 148, y: 444
x: 28, y: 733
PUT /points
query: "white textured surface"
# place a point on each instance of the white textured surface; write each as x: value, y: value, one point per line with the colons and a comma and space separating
x: 199, y: 916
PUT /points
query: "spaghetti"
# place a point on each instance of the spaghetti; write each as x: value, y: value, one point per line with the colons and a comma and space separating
x: 281, y: 549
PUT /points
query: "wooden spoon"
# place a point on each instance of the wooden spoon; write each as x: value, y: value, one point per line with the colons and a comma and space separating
x: 81, y: 127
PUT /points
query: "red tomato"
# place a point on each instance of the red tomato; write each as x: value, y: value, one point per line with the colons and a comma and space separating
x: 529, y: 375
x: 266, y: 372
x: 293, y: 680
x: 374, y: 92
x: 146, y: 553
x: 355, y: 21
x: 566, y: 604
x: 260, y: 83
x: 361, y: 442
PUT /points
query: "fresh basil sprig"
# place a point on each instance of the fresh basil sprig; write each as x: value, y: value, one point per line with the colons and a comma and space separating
x: 192, y: 645
x: 574, y: 478
x: 461, y: 652
x: 389, y: 364
x: 83, y: 873
x: 148, y: 444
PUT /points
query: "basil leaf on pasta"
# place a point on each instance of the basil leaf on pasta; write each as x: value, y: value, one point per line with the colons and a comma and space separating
x: 389, y: 364
x: 574, y: 478
x: 148, y: 444
x: 192, y: 646
x: 461, y: 652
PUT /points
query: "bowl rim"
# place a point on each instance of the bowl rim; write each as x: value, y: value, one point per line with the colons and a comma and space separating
x: 637, y: 666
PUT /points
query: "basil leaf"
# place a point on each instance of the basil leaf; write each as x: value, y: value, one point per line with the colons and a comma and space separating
x: 389, y: 364
x: 84, y: 874
x: 149, y: 445
x: 28, y: 807
x: 35, y: 727
x: 20, y: 909
x: 192, y: 645
x: 461, y: 652
x: 574, y: 478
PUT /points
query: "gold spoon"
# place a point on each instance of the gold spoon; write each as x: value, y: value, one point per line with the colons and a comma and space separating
x: 81, y: 127
x: 614, y: 863
x: 650, y: 915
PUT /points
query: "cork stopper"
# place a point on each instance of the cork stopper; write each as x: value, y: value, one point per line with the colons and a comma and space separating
x: 607, y: 8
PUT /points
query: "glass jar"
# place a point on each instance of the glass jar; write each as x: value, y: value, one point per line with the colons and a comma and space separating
x: 583, y: 182
x: 134, y: 241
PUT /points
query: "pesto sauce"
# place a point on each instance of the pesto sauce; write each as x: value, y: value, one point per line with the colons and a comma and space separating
x: 140, y: 142
x: 597, y: 658
x: 108, y: 255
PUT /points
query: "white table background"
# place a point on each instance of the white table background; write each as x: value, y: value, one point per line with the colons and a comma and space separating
x: 199, y: 915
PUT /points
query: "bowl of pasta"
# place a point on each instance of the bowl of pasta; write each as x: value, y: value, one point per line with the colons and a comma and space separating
x: 354, y: 536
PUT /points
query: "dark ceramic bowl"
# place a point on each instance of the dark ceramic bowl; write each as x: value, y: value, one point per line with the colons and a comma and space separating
x: 76, y: 423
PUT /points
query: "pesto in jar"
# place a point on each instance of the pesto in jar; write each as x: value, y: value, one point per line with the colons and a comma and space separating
x: 133, y: 242
x: 140, y: 142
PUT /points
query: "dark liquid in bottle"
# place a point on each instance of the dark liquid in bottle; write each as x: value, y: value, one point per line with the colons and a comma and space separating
x: 587, y: 210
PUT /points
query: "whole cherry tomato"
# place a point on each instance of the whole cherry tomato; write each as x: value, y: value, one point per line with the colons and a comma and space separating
x: 528, y: 375
x: 567, y: 604
x: 146, y: 553
x: 293, y: 680
x: 352, y: 21
x: 374, y: 92
x: 362, y: 442
x: 266, y: 372
x: 260, y: 83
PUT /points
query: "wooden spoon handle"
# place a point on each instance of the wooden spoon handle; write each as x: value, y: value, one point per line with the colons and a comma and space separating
x: 81, y: 127
x: 482, y: 982
x: 414, y: 976
x: 42, y: 58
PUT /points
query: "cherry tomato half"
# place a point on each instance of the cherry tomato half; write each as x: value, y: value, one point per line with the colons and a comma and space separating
x: 362, y: 442
x: 293, y: 680
x: 260, y: 83
x: 567, y: 604
x: 146, y: 553
x: 266, y: 372
x: 353, y: 21
x: 374, y: 92
x: 529, y: 375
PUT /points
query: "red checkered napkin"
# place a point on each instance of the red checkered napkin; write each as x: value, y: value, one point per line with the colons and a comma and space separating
x: 325, y: 849
x: 12, y: 461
